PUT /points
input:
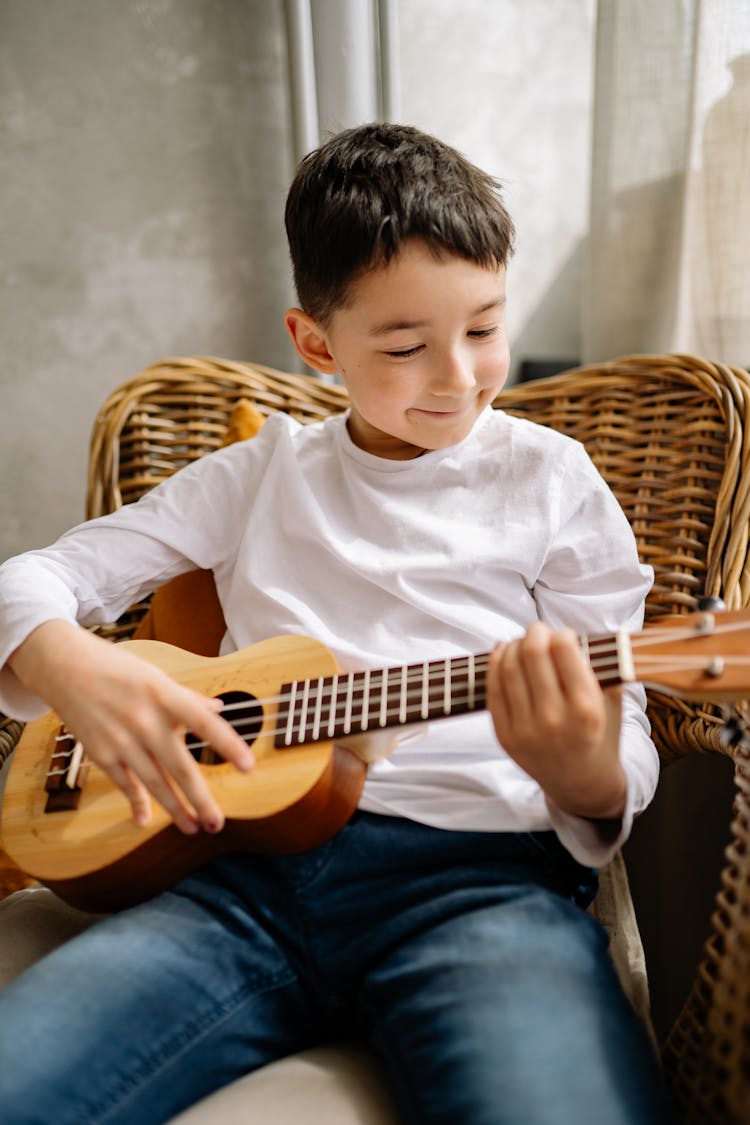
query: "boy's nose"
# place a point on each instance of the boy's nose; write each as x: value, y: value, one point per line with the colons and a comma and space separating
x: 454, y: 373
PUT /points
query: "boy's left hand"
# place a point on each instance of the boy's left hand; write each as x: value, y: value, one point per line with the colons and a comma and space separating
x: 554, y: 720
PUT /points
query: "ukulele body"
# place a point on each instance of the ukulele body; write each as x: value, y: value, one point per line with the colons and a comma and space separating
x: 96, y: 858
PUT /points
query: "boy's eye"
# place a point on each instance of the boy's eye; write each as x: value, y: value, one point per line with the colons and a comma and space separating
x: 403, y: 353
x: 480, y: 333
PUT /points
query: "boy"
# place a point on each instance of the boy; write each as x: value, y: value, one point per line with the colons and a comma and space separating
x: 445, y: 922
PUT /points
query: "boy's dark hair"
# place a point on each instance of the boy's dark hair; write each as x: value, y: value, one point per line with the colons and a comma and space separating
x: 356, y: 200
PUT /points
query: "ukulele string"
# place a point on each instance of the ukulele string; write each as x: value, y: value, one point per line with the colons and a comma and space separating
x: 415, y: 678
x: 362, y: 703
x: 366, y: 703
x: 657, y: 634
x: 604, y: 648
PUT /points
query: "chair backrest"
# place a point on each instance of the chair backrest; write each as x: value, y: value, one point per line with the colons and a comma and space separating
x: 670, y: 436
x: 668, y: 433
x: 178, y: 410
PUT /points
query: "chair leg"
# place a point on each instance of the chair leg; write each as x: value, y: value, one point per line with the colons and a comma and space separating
x: 707, y: 1053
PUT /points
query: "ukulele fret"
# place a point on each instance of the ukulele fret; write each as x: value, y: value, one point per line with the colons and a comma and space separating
x: 303, y: 711
x: 336, y: 706
x: 333, y: 704
x: 318, y: 708
x: 471, y: 680
x: 364, y: 720
x: 425, y: 709
x: 348, y: 709
x: 383, y: 716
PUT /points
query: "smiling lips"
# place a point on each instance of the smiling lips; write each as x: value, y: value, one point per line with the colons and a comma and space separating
x: 438, y: 413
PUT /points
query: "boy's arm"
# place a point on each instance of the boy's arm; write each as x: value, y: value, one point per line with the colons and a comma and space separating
x: 130, y: 717
x: 588, y: 749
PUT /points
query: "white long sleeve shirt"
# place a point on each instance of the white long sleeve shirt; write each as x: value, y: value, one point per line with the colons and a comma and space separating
x: 387, y: 563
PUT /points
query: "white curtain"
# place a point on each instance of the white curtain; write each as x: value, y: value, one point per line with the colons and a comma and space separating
x: 343, y: 67
x: 667, y: 265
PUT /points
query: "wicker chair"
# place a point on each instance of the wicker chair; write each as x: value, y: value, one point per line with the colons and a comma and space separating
x: 670, y: 435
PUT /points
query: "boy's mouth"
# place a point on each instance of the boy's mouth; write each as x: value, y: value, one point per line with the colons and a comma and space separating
x: 439, y: 413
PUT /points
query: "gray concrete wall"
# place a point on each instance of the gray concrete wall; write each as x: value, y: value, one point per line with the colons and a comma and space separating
x: 146, y: 153
x: 145, y: 159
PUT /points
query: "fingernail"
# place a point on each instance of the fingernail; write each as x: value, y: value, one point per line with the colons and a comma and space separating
x: 213, y: 826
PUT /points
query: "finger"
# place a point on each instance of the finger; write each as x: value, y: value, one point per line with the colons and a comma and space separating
x: 575, y: 674
x: 139, y: 793
x: 530, y: 679
x: 494, y: 692
x: 185, y: 773
x: 134, y: 790
x: 497, y: 699
x: 583, y: 696
x: 133, y: 761
x: 514, y: 685
x: 174, y: 779
x: 511, y: 682
x: 201, y: 715
x: 543, y: 690
x: 613, y: 709
x: 136, y: 768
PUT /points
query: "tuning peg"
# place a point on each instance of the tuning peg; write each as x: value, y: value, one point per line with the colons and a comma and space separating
x: 710, y: 604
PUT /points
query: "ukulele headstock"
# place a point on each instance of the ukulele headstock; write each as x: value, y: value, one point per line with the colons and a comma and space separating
x: 702, y: 656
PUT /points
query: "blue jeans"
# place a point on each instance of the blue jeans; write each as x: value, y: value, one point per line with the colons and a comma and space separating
x: 465, y: 959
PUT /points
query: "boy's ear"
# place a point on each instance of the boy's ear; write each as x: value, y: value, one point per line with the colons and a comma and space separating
x: 310, y: 341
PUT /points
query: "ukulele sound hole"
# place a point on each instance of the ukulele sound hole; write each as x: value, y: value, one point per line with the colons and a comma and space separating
x: 243, y: 712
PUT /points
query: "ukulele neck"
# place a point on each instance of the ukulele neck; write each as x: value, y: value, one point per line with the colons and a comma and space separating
x: 332, y: 707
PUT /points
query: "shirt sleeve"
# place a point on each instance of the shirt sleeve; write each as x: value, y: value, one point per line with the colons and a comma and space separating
x: 95, y: 571
x: 593, y: 581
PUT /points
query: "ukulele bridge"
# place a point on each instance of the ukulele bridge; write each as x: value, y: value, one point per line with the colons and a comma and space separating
x: 67, y: 773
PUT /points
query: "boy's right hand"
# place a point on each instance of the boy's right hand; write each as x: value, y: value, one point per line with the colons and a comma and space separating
x: 131, y: 719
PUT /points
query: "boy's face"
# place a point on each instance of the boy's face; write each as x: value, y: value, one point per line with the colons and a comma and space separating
x: 422, y: 348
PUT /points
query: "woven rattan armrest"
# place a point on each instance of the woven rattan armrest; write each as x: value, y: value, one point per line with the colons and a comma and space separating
x: 10, y: 732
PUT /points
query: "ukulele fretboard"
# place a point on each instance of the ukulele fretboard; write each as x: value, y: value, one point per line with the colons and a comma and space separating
x: 353, y: 703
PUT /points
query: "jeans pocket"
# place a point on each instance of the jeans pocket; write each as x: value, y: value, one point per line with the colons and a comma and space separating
x: 545, y: 846
x: 567, y: 876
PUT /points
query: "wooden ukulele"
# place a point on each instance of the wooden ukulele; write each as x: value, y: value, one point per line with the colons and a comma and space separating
x: 68, y: 826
